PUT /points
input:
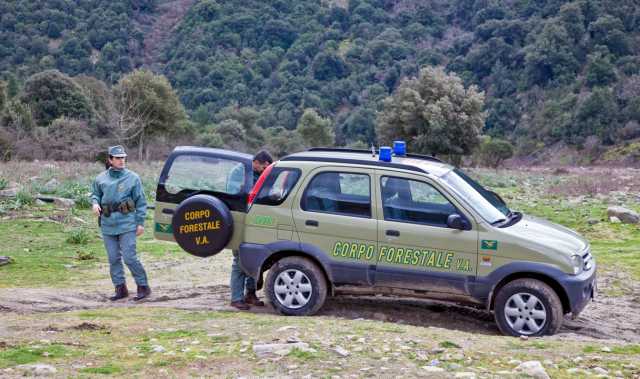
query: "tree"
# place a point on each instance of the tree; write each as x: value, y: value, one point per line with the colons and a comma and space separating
x: 52, y: 94
x: 281, y: 142
x: 551, y: 57
x: 315, y: 130
x: 146, y: 106
x: 434, y: 114
x: 494, y: 151
x: 600, y: 71
x: 3, y: 95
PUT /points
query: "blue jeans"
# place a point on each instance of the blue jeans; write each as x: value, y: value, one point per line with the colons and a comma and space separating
x: 124, y: 246
x: 240, y: 281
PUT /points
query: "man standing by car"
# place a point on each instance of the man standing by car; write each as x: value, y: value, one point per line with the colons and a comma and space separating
x: 119, y: 202
x: 243, y: 287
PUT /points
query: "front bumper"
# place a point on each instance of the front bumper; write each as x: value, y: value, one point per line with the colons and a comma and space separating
x: 580, y: 289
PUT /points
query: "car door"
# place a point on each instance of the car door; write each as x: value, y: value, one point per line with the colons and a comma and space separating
x: 417, y: 250
x: 334, y: 213
x: 189, y: 171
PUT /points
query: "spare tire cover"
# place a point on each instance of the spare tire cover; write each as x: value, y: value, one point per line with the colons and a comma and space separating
x: 202, y: 225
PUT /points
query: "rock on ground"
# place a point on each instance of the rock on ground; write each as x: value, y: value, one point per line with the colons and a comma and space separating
x: 37, y: 370
x: 9, y: 192
x: 64, y: 203
x: 533, y: 369
x: 280, y: 348
x: 625, y: 215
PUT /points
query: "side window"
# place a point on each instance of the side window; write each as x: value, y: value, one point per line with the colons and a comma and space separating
x: 413, y: 201
x: 202, y: 173
x: 278, y: 186
x: 340, y: 193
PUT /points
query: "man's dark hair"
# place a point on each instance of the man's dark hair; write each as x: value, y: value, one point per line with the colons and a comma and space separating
x: 263, y: 156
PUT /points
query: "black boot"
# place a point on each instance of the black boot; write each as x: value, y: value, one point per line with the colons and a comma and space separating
x: 143, y: 291
x: 121, y: 292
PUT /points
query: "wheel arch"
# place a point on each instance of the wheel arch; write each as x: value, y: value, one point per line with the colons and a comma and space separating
x: 548, y: 280
x: 278, y: 255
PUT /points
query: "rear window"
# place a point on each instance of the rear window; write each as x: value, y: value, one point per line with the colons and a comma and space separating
x: 203, y: 173
x: 278, y: 186
x: 339, y: 193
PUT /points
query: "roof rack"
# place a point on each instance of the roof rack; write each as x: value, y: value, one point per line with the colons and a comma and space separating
x: 365, y: 151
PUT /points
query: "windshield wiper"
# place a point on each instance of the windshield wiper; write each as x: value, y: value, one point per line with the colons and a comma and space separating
x: 499, y: 221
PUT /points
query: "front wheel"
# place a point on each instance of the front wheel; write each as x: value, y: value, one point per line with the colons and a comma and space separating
x: 528, y: 307
x: 296, y: 286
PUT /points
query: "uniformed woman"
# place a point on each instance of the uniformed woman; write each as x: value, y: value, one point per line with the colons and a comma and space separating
x: 119, y: 202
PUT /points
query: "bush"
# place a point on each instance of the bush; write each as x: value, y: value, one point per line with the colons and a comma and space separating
x: 493, y: 151
x: 79, y: 237
x: 24, y: 198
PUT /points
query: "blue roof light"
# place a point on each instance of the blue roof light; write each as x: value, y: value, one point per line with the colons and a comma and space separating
x: 385, y: 154
x: 399, y: 148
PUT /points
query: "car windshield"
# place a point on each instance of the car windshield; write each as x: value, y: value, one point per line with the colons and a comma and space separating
x: 487, y: 203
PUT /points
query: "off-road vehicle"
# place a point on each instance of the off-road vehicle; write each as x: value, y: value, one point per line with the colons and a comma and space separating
x: 330, y: 221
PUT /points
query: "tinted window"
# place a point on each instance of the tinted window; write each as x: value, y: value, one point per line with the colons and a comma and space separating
x: 278, y: 186
x: 413, y: 201
x: 202, y: 173
x: 341, y: 193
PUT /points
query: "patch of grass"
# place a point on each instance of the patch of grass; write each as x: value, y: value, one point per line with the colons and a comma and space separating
x: 3, y: 183
x: 631, y: 349
x: 302, y: 355
x: 28, y: 354
x: 42, y: 257
x: 97, y: 314
x: 79, y: 236
x: 176, y: 334
x: 448, y: 345
x: 108, y: 369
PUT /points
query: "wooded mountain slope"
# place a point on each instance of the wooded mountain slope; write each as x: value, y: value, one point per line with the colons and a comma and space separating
x: 552, y: 70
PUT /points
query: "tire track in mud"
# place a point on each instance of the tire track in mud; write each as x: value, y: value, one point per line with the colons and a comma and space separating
x: 611, y: 318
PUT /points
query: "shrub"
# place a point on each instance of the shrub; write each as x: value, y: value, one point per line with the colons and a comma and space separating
x: 85, y: 255
x: 493, y: 151
x: 24, y: 198
x: 78, y: 237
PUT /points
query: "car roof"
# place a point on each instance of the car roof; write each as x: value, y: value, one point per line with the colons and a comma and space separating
x: 410, y: 162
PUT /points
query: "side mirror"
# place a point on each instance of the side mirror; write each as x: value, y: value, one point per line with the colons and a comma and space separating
x: 455, y: 221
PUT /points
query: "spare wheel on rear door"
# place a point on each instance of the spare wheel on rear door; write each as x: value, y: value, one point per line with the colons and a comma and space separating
x: 202, y: 225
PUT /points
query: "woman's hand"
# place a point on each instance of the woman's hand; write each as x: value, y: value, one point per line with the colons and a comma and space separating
x: 97, y: 209
x: 139, y: 230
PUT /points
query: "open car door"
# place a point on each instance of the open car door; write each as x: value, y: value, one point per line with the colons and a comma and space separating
x: 201, y: 199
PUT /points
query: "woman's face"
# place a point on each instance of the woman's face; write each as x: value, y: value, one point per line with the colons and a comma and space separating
x: 117, y: 162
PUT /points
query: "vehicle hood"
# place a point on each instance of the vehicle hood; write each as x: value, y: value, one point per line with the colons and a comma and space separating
x: 536, y: 233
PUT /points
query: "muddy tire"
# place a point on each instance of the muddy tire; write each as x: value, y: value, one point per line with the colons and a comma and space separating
x: 296, y: 286
x: 528, y: 307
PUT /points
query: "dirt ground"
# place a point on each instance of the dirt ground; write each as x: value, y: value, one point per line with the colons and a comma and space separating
x: 616, y: 319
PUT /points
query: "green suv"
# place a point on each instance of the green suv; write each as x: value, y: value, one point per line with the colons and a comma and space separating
x: 332, y: 221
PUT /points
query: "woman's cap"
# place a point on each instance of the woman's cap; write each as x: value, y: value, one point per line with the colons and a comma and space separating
x: 117, y: 151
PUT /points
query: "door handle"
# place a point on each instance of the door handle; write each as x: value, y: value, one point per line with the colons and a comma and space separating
x: 167, y: 211
x: 311, y: 223
x: 393, y: 233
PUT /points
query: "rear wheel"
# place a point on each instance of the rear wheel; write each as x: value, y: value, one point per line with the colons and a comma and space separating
x: 296, y: 286
x: 528, y: 307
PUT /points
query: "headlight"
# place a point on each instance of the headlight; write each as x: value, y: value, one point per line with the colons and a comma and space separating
x: 578, y: 263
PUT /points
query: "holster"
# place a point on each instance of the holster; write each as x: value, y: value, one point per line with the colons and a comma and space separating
x: 123, y: 207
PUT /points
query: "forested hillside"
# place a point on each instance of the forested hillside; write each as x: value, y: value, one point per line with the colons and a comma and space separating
x: 552, y: 70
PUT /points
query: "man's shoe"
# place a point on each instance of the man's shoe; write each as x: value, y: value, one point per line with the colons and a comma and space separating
x: 121, y: 292
x: 241, y: 305
x: 252, y: 299
x: 143, y: 291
